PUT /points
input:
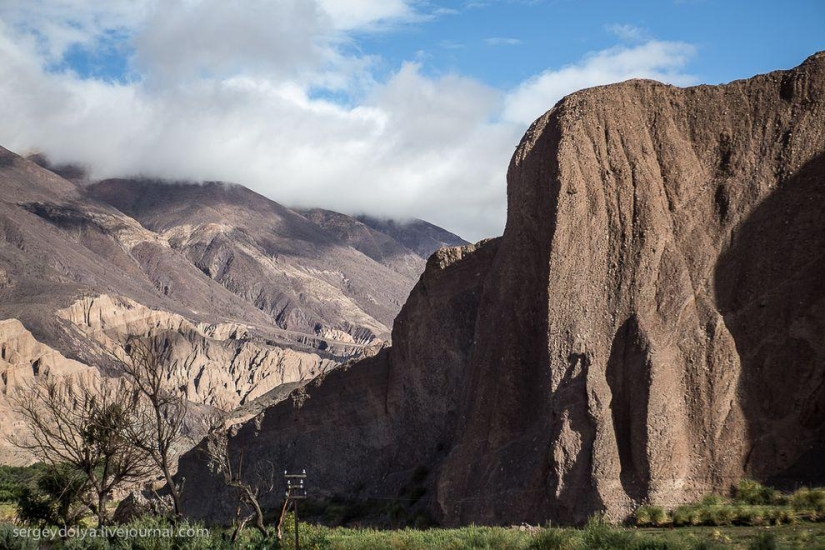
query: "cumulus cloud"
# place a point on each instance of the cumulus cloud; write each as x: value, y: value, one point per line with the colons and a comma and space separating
x: 218, y: 97
x: 220, y: 38
x: 663, y: 61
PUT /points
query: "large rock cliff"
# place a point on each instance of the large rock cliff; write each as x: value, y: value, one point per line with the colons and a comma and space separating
x: 650, y: 328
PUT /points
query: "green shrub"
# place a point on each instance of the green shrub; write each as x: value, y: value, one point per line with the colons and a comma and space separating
x: 599, y: 535
x: 787, y: 516
x: 692, y: 515
x: 651, y: 515
x: 14, y: 479
x: 9, y: 541
x: 808, y: 499
x: 764, y: 541
x: 751, y: 492
x: 659, y: 516
x: 55, y: 499
x: 720, y: 514
x: 643, y: 517
x: 713, y: 500
x: 554, y: 539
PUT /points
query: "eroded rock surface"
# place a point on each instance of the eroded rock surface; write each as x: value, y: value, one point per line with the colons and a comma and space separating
x: 222, y: 365
x: 650, y: 328
x: 246, y: 294
x: 22, y: 358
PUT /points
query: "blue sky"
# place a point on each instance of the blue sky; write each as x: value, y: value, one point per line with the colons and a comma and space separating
x: 734, y: 38
x: 390, y: 107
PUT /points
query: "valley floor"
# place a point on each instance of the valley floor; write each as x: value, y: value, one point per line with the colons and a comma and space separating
x: 595, y: 536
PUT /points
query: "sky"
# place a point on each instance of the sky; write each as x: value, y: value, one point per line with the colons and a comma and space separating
x: 395, y: 108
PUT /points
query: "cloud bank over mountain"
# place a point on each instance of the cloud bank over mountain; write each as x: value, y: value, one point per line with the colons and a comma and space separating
x: 280, y: 96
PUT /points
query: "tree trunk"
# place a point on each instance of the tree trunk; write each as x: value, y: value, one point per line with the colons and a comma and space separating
x: 259, y: 515
x: 101, y: 509
x: 173, y: 490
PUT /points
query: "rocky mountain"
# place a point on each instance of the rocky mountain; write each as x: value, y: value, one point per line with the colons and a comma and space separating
x: 419, y: 236
x: 381, y: 247
x: 304, y: 278
x: 650, y: 328
x: 248, y: 294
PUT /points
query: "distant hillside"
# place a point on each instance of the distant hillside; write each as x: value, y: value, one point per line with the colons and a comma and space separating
x: 419, y: 236
x: 248, y: 293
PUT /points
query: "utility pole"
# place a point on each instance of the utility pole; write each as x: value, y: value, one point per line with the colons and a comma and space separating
x: 295, y: 491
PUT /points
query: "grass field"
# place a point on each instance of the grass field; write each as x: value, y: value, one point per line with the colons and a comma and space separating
x: 595, y: 536
x: 753, y: 518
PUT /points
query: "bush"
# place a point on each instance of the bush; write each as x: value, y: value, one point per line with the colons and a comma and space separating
x: 713, y: 500
x: 651, y: 516
x: 720, y: 514
x: 659, y: 516
x: 55, y: 498
x: 689, y: 514
x: 13, y: 480
x: 764, y: 541
x: 554, y: 539
x: 752, y: 492
x: 808, y: 499
x: 9, y: 541
x: 642, y: 517
x: 600, y: 535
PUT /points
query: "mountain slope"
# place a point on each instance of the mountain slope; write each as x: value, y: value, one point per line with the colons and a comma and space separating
x: 649, y: 328
x: 419, y: 236
x: 379, y: 246
x: 274, y: 258
x: 247, y: 294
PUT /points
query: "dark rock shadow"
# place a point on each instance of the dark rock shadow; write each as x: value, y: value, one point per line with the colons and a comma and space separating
x: 770, y: 288
x: 628, y: 375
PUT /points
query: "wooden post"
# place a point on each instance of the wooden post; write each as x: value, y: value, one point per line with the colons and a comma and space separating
x: 295, y: 491
x: 297, y: 542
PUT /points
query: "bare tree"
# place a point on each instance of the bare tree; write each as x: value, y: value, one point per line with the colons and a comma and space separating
x: 221, y: 462
x: 161, y: 410
x: 84, y: 424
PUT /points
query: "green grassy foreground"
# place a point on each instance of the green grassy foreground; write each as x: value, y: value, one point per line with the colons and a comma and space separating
x: 596, y: 535
x: 754, y: 518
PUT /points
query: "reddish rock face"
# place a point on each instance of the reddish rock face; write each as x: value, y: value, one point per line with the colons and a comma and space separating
x: 650, y: 328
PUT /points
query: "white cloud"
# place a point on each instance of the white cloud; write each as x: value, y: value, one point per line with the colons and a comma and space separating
x: 502, y: 41
x: 221, y: 98
x: 663, y: 61
x: 58, y: 24
x: 627, y: 32
x: 367, y: 14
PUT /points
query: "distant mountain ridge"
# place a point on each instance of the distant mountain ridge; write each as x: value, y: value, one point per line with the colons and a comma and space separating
x: 248, y: 293
x: 403, y: 246
x: 422, y: 237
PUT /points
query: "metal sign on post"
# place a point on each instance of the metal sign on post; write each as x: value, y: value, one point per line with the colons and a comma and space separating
x: 295, y: 491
